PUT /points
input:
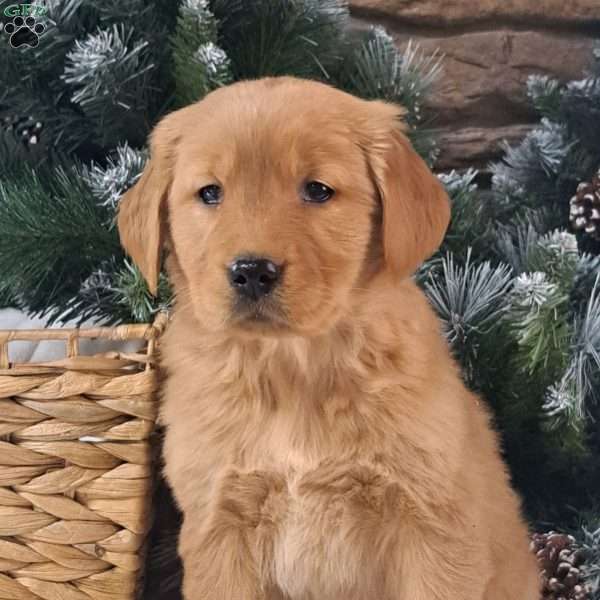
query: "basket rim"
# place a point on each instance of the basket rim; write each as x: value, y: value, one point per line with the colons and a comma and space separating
x: 121, y: 332
x: 71, y: 336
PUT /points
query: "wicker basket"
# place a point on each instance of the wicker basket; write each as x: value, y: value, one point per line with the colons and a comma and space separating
x: 76, y: 467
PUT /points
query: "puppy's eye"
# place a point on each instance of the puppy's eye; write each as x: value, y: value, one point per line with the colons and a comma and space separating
x: 315, y: 191
x: 211, y: 194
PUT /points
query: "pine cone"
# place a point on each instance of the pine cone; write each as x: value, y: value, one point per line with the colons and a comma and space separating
x: 27, y: 129
x: 584, y: 212
x: 560, y: 559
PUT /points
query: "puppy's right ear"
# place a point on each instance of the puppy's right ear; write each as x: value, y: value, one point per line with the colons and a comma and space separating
x: 141, y: 210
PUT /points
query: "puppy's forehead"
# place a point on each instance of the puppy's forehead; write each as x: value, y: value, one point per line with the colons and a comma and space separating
x: 280, y: 99
x: 279, y: 115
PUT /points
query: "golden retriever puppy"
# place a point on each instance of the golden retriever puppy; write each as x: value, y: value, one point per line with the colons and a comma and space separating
x: 320, y: 440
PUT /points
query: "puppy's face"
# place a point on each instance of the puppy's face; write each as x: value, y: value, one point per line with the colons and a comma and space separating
x: 281, y: 197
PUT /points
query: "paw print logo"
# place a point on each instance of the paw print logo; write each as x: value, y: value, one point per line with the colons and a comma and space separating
x: 24, y: 32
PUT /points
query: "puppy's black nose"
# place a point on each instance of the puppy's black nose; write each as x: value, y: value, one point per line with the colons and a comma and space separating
x: 253, y: 278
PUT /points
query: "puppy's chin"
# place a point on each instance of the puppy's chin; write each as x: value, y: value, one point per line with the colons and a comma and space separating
x: 263, y: 325
x: 260, y: 328
x: 261, y: 319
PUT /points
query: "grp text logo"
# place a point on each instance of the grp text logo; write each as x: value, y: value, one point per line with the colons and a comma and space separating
x: 24, y: 10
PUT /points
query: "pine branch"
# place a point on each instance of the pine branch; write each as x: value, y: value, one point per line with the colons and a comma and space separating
x: 108, y: 74
x: 531, y: 168
x: 473, y: 220
x: 568, y: 402
x: 377, y: 69
x: 27, y: 92
x: 153, y: 23
x: 37, y: 86
x: 587, y: 346
x: 565, y: 150
x: 200, y: 65
x: 540, y: 315
x: 546, y: 95
x: 131, y: 291
x: 116, y: 293
x: 52, y: 236
x: 556, y: 253
x: 539, y: 321
x: 587, y: 271
x: 110, y: 182
x: 563, y: 408
x: 515, y: 245
x: 470, y: 300
x: 304, y: 38
x: 580, y: 109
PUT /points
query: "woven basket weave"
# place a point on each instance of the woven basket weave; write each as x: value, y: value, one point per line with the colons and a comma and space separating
x: 76, y: 467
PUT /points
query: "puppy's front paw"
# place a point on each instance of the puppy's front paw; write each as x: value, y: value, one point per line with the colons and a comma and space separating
x: 243, y: 496
x: 220, y: 567
x: 228, y: 559
x: 212, y: 585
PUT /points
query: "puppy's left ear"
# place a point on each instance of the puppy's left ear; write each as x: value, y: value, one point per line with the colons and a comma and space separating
x: 416, y: 208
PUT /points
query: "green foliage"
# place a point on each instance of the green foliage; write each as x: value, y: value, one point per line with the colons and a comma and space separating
x: 376, y: 69
x: 539, y: 321
x: 542, y: 392
x: 473, y: 216
x: 586, y: 347
x: 200, y: 64
x: 109, y: 182
x: 528, y: 172
x: 471, y: 300
x: 304, y: 38
x: 52, y: 234
x: 516, y: 243
x: 539, y: 365
x: 540, y: 309
x: 131, y: 292
x: 546, y: 94
x: 95, y: 79
x: 116, y: 293
x: 588, y: 271
x: 107, y: 74
x: 546, y: 167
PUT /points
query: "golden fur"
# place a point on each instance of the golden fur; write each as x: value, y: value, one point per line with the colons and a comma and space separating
x: 328, y: 450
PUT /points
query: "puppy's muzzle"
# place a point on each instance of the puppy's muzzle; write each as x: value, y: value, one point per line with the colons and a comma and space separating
x: 253, y: 278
